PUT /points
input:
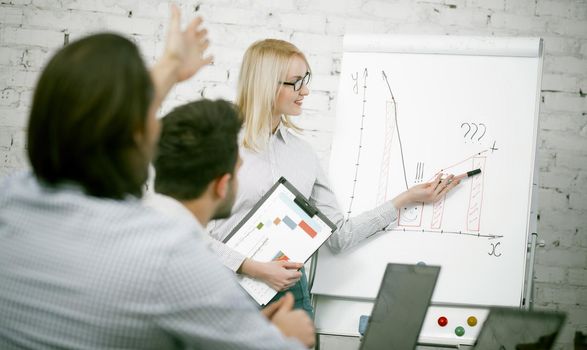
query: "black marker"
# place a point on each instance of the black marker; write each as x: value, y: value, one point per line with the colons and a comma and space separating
x: 467, y: 174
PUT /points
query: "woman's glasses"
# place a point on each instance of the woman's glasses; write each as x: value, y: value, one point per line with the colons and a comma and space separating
x: 297, y: 85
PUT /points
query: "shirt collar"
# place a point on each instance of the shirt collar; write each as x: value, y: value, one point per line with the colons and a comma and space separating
x: 283, y: 132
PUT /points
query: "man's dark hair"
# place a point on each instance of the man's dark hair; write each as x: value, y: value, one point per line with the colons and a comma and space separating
x: 88, y: 118
x: 198, y: 144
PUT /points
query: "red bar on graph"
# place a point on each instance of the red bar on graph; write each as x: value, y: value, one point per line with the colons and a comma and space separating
x: 307, y: 228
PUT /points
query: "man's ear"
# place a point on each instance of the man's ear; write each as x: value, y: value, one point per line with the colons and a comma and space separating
x: 221, y: 185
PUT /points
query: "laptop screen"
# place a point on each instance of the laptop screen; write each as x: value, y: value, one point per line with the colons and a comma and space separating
x: 400, y: 307
x: 516, y: 329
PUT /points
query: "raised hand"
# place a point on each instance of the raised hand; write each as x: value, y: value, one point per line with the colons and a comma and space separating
x: 188, y: 46
x: 183, y: 56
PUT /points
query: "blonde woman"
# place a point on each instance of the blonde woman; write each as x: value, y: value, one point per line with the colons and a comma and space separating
x: 272, y: 86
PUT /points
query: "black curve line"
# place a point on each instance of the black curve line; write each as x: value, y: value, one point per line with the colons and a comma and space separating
x: 449, y: 232
x: 397, y: 128
x: 365, y: 75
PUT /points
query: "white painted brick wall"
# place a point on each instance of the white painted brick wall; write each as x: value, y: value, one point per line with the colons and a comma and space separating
x: 559, y: 82
x: 31, y: 30
x: 31, y: 37
x: 551, y: 274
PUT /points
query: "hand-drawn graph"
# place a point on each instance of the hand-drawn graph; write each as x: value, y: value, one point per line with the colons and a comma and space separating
x: 411, y: 217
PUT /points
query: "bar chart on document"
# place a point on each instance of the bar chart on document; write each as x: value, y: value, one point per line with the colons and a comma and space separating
x: 400, y: 123
x: 279, y: 230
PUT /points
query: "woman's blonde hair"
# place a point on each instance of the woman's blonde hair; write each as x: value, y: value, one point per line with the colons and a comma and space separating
x: 265, y: 66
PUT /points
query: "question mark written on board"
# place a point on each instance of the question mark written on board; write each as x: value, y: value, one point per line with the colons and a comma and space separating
x: 475, y: 132
x: 468, y: 128
x: 484, y: 131
x: 477, y: 127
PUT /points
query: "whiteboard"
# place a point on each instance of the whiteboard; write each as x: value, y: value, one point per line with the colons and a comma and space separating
x: 410, y: 107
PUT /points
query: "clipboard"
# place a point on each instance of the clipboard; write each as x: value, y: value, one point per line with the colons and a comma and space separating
x: 282, y: 226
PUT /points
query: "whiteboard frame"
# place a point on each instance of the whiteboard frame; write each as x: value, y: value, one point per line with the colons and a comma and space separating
x: 533, y: 217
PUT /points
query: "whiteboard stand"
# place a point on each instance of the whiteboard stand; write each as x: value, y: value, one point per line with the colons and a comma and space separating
x: 529, y: 299
x: 532, y: 246
x: 533, y: 243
